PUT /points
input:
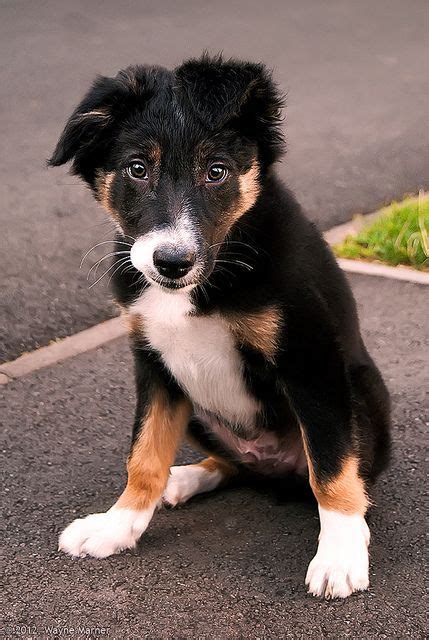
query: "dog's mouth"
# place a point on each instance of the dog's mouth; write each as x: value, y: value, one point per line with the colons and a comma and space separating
x: 196, y: 277
x: 169, y: 284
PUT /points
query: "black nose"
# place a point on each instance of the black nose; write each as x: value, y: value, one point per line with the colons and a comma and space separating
x: 172, y: 262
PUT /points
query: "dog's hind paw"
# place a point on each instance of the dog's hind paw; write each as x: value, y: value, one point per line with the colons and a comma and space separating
x: 103, y: 534
x: 189, y: 480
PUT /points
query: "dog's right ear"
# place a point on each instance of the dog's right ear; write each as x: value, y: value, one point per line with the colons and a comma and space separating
x: 88, y: 133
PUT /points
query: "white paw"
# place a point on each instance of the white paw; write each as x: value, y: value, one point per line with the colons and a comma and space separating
x: 189, y: 480
x: 102, y: 534
x: 340, y: 565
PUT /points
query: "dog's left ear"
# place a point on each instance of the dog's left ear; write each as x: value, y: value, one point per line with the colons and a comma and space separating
x: 244, y: 92
x: 90, y: 129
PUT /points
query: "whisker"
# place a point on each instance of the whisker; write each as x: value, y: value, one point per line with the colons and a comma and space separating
x: 124, y: 264
x: 227, y: 242
x: 97, y: 264
x: 127, y: 269
x: 244, y: 264
x: 127, y: 244
x: 225, y: 270
x: 204, y: 292
x: 107, y: 271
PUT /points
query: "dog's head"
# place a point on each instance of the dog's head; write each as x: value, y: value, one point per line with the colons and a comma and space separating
x: 176, y: 157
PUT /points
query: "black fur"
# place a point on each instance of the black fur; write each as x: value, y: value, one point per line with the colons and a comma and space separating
x: 322, y: 376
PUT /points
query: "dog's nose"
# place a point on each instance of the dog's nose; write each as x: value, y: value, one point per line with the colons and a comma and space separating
x: 172, y: 262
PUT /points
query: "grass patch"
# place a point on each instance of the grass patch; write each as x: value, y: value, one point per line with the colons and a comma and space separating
x: 399, y: 235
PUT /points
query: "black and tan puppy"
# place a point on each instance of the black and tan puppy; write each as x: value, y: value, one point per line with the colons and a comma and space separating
x: 245, y: 332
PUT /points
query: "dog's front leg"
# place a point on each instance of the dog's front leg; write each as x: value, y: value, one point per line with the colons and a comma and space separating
x: 318, y: 386
x: 341, y: 564
x: 160, y: 424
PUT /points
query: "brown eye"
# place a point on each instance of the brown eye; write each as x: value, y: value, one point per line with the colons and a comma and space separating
x: 137, y: 170
x: 216, y: 173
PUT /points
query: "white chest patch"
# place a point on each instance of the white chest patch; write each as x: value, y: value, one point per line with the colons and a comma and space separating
x: 200, y: 353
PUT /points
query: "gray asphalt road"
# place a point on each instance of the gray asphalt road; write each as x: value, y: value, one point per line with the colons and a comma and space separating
x: 228, y: 565
x: 357, y: 79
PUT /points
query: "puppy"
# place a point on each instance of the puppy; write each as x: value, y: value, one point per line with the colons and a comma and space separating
x: 244, y: 329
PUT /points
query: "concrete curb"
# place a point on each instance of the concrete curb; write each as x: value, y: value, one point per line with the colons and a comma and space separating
x: 383, y: 271
x: 115, y: 328
x: 62, y: 349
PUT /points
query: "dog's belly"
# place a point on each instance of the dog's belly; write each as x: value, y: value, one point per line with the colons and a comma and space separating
x: 200, y: 353
x: 268, y: 454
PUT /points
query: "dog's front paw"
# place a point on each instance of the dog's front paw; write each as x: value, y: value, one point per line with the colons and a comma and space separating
x: 103, y: 534
x: 340, y: 565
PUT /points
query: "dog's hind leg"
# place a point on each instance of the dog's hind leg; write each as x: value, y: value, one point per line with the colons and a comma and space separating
x: 371, y: 405
x: 189, y: 480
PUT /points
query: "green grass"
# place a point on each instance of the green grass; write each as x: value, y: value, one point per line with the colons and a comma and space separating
x: 398, y: 235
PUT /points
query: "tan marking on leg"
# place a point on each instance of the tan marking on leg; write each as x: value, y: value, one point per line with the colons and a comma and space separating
x: 217, y: 464
x: 259, y: 330
x: 213, y: 461
x: 229, y: 467
x: 345, y: 492
x: 153, y: 452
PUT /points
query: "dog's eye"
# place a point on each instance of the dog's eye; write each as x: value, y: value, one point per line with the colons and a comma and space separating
x: 137, y: 170
x: 216, y: 173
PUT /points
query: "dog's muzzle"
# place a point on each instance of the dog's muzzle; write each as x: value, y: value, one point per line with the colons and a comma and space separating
x: 168, y: 262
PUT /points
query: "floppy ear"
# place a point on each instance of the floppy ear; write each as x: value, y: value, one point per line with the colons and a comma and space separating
x: 88, y: 133
x: 243, y: 92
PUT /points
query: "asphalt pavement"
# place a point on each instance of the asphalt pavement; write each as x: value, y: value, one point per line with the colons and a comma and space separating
x: 356, y: 77
x: 231, y: 564
x: 227, y: 565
